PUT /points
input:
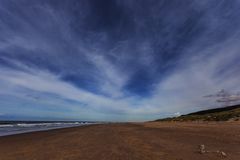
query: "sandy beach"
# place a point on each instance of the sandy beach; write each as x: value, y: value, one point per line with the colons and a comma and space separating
x: 128, y: 141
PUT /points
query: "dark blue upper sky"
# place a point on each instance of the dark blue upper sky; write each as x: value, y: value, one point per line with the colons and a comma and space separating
x: 115, y: 59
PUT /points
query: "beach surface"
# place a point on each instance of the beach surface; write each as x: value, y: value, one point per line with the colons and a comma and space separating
x: 128, y: 141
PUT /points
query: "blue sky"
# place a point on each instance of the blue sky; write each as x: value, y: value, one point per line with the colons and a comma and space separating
x: 115, y: 60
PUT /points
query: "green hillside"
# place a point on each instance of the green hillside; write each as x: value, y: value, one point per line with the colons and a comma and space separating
x: 217, y: 114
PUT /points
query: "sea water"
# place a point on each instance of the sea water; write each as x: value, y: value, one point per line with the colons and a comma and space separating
x: 16, y: 128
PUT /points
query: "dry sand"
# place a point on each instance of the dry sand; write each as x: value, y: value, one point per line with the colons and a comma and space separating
x: 143, y: 141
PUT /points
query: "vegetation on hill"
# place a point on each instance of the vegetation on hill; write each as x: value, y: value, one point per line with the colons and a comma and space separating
x: 218, y: 114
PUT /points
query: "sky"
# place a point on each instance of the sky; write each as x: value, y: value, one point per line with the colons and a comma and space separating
x: 116, y: 60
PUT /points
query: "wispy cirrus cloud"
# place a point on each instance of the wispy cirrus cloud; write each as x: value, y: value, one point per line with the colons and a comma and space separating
x: 92, y: 60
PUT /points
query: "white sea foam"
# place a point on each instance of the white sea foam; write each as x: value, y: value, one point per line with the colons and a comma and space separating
x: 6, y: 125
x: 9, y: 129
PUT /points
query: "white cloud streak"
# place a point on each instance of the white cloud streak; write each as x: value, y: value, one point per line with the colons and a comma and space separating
x: 214, y: 69
x: 200, y: 71
x: 183, y: 90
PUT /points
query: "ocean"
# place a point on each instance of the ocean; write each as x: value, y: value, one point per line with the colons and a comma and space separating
x: 16, y: 127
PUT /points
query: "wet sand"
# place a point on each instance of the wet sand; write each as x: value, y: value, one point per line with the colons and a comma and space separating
x: 139, y: 141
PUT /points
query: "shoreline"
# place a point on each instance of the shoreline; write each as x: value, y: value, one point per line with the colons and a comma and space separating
x: 42, y: 129
x: 145, y: 141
